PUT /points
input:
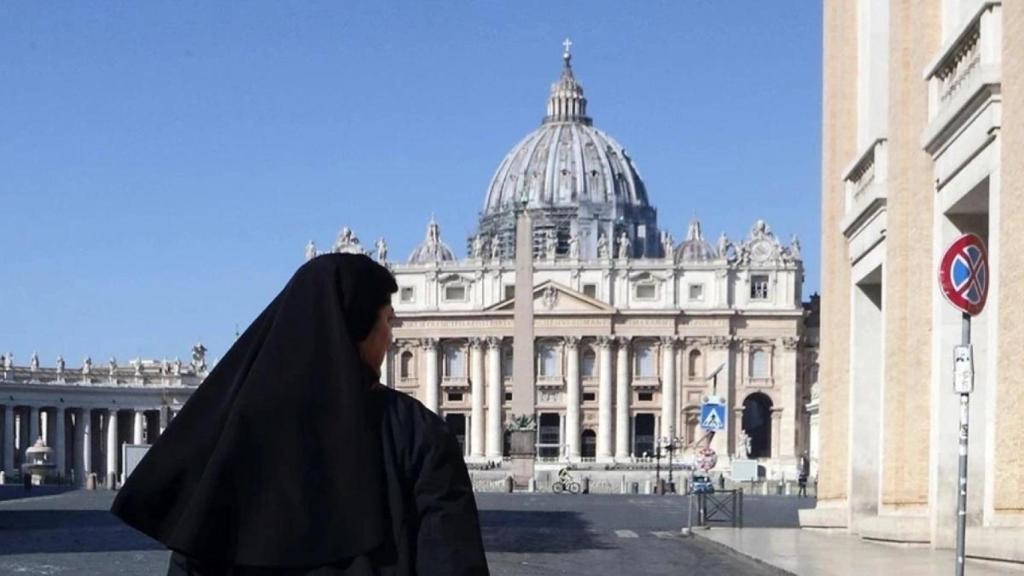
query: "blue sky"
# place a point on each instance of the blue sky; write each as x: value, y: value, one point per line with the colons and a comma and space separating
x: 162, y: 164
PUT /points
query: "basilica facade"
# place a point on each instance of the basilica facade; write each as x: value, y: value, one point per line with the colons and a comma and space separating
x: 627, y: 326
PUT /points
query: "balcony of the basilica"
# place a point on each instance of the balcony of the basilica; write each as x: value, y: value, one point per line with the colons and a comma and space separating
x: 549, y: 382
x: 455, y: 383
x: 646, y: 382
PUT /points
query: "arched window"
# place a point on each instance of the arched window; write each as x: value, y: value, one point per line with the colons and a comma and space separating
x: 406, y: 370
x: 695, y: 368
x: 547, y: 364
x: 454, y: 361
x: 587, y: 362
x: 644, y: 367
x: 758, y: 363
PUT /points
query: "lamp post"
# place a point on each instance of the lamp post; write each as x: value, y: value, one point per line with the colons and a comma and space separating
x: 657, y: 464
x: 670, y: 444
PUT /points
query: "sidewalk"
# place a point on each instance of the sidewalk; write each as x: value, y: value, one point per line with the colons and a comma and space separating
x: 826, y: 553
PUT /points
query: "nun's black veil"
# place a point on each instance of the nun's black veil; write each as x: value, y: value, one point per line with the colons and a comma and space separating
x: 275, y: 459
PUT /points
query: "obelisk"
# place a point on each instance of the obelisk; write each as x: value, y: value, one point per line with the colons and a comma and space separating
x: 524, y: 423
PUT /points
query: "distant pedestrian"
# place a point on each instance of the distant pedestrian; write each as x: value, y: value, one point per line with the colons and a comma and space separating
x: 292, y: 459
x: 802, y: 474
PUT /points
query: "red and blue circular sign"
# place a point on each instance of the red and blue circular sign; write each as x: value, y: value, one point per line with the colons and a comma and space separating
x: 963, y: 274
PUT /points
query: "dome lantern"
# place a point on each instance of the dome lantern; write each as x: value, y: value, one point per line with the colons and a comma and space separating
x: 566, y: 103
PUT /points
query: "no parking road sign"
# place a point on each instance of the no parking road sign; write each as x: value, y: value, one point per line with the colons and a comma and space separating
x: 964, y: 279
x: 712, y: 415
x: 963, y: 274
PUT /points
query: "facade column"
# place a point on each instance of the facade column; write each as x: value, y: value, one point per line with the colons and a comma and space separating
x: 787, y: 380
x: 431, y: 396
x: 571, y: 424
x: 45, y: 426
x: 727, y: 444
x: 623, y: 391
x: 137, y: 425
x: 738, y: 434
x: 9, y: 439
x: 495, y: 397
x: 604, y: 396
x: 112, y: 446
x: 33, y: 426
x: 60, y: 449
x: 476, y: 375
x: 82, y: 450
x: 668, y: 386
x: 777, y: 432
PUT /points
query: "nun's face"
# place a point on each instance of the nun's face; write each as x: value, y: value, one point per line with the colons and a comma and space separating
x: 375, y: 346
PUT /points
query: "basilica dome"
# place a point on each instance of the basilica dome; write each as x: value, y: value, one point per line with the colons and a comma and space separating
x: 574, y: 179
x: 566, y: 162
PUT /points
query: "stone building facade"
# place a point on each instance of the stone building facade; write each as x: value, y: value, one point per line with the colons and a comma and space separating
x: 628, y: 324
x: 923, y: 141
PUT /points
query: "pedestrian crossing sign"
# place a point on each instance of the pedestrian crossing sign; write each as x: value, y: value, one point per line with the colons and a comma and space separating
x: 712, y: 416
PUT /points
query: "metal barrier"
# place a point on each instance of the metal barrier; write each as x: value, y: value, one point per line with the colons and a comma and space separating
x: 724, y: 506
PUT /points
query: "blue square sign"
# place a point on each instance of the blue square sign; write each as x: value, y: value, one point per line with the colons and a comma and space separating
x: 712, y: 417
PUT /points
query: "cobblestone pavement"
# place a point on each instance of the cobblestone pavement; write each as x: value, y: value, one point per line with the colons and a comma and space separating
x: 525, y: 534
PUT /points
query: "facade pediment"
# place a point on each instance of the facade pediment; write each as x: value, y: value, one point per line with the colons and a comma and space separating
x: 550, y: 297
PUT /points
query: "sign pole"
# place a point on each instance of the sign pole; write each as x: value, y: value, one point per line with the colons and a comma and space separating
x: 964, y: 281
x: 961, y: 502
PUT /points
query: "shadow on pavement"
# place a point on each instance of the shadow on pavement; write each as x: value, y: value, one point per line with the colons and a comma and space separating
x: 16, y: 492
x: 774, y: 511
x: 64, y: 531
x: 537, y: 531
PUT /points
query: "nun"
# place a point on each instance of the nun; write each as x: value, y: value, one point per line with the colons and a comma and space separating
x: 292, y: 459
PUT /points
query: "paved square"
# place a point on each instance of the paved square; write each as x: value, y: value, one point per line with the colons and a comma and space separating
x: 525, y: 534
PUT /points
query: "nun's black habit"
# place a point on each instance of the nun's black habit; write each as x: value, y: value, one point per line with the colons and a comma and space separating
x: 290, y: 458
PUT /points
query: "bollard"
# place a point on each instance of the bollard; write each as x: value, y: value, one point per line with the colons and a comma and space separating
x: 789, y: 489
x: 624, y: 487
x: 764, y: 488
x: 90, y: 481
x: 509, y: 484
x: 531, y: 486
x: 112, y: 481
x: 585, y: 485
x: 634, y: 488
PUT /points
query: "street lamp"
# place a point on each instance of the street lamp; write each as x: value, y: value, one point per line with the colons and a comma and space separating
x: 672, y: 444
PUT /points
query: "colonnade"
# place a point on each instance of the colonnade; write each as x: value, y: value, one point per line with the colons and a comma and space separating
x: 614, y: 373
x: 75, y: 432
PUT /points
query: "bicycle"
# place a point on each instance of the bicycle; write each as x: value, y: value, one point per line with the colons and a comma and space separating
x: 565, y: 483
